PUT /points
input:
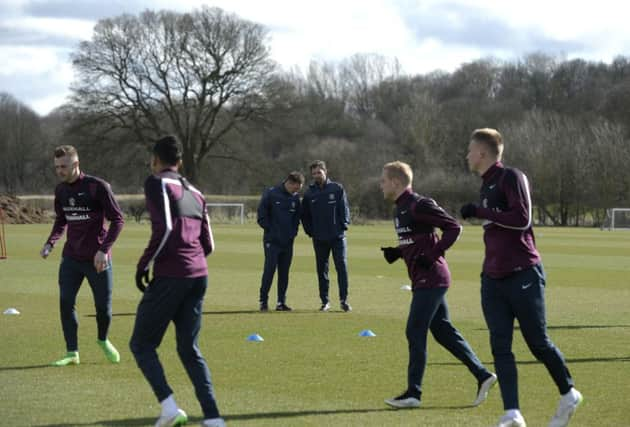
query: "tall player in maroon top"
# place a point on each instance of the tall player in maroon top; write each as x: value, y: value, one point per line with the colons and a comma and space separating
x: 416, y: 221
x: 181, y: 239
x: 82, y: 204
x: 513, y: 278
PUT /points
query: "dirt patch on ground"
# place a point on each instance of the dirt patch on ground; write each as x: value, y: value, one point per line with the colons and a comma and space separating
x: 14, y: 211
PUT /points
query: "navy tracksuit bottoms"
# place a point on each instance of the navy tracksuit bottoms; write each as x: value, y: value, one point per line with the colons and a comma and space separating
x: 520, y: 296
x: 178, y: 300
x: 71, y: 275
x: 429, y: 311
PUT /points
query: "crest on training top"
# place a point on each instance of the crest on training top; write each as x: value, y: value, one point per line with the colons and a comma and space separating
x: 71, y: 201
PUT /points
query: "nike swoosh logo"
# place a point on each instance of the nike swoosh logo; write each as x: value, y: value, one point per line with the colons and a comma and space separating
x: 403, y: 212
x: 526, y: 286
x: 491, y: 186
x: 80, y: 194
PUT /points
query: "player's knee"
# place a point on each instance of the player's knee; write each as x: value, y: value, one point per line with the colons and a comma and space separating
x: 540, y: 350
x: 187, y: 352
x: 66, y: 304
x: 134, y: 346
x: 140, y: 348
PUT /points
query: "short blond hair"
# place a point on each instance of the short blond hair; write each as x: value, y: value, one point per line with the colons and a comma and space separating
x: 400, y: 171
x: 489, y: 138
x: 66, y: 150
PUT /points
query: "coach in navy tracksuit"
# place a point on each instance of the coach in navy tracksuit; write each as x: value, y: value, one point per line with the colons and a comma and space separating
x: 325, y: 218
x: 513, y: 278
x: 279, y: 215
x: 416, y: 221
x: 181, y: 239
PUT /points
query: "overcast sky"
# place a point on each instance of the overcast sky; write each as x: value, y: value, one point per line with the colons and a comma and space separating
x: 37, y: 36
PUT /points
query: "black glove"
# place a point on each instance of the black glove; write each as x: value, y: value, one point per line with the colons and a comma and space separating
x: 469, y: 210
x: 142, y: 280
x: 424, y: 262
x: 391, y: 254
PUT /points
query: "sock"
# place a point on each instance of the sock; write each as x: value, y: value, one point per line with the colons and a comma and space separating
x: 169, y: 406
x: 571, y: 394
x: 513, y: 413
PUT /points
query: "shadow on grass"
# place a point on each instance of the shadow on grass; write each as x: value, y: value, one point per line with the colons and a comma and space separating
x: 587, y: 326
x: 20, y: 368
x: 207, y: 313
x: 251, y: 416
x: 571, y: 327
x: 228, y: 418
x: 620, y: 359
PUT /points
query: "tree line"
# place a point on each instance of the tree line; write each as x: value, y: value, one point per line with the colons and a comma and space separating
x: 207, y: 76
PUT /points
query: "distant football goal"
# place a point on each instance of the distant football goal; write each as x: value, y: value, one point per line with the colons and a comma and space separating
x: 226, y: 212
x: 3, y: 244
x: 617, y: 219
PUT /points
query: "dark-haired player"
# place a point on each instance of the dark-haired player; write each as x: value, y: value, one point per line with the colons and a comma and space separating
x: 325, y: 218
x: 181, y: 239
x: 279, y: 215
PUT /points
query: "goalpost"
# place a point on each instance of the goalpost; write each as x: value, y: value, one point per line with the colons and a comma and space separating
x: 224, y: 214
x: 3, y: 243
x: 617, y: 219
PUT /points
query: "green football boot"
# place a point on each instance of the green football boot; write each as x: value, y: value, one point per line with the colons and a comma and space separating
x: 110, y: 351
x: 71, y: 358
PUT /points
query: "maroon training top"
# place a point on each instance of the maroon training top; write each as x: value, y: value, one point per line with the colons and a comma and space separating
x: 506, y: 207
x: 83, y: 207
x: 181, y: 237
x: 417, y: 218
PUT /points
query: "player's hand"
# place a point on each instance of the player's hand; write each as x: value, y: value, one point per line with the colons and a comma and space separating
x: 142, y: 280
x: 469, y: 210
x: 46, y: 250
x: 424, y: 262
x: 100, y: 261
x: 391, y: 254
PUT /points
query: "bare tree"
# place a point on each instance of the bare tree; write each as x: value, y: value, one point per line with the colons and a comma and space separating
x: 20, y: 145
x: 361, y: 74
x: 197, y: 75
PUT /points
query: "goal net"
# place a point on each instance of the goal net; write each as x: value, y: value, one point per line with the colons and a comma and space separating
x: 230, y: 213
x: 617, y: 219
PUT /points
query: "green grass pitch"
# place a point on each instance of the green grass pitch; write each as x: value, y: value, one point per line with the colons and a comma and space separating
x: 313, y: 369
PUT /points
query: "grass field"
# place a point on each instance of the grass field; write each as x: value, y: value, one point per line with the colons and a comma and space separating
x: 313, y: 369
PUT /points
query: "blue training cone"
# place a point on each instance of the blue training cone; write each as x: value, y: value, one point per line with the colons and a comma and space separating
x: 367, y: 333
x: 255, y: 337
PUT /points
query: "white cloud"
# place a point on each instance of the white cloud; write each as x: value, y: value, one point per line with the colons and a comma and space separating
x: 37, y: 76
x: 20, y: 60
x: 61, y: 27
x: 424, y: 35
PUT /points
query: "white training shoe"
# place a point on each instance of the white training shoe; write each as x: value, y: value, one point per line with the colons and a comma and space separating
x: 511, y: 421
x: 213, y: 422
x: 566, y: 408
x: 405, y: 400
x: 178, y: 419
x: 482, y: 389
